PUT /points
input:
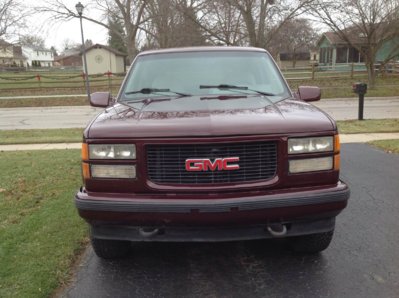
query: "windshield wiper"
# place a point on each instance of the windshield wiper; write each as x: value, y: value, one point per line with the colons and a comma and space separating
x: 155, y: 90
x: 226, y: 86
x: 223, y: 86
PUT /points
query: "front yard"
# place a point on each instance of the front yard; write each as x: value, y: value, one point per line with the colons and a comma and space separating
x: 40, y: 231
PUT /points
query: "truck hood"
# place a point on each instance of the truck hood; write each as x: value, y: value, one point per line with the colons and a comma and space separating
x: 208, y: 116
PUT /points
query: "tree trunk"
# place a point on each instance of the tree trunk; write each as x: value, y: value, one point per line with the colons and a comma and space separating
x: 370, y: 64
x: 371, y: 74
x: 131, y: 47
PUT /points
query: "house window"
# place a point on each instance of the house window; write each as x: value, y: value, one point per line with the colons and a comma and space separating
x: 326, y: 55
x: 342, y: 54
x: 355, y: 56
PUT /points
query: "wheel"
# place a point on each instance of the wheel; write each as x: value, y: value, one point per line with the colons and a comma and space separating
x: 312, y: 243
x: 110, y: 249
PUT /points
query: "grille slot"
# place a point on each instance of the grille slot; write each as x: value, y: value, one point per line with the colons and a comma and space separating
x: 166, y: 163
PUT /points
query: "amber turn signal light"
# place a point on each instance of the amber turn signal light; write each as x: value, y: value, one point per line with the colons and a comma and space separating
x: 85, y: 151
x: 85, y: 170
x: 337, y: 144
x: 337, y: 161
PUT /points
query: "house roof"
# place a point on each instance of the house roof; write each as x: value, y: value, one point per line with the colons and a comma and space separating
x: 68, y: 53
x: 4, y: 43
x: 61, y: 57
x: 334, y: 38
x: 100, y: 46
x: 41, y: 49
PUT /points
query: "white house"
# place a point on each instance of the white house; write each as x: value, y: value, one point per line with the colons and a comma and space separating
x: 38, y: 56
x: 102, y: 59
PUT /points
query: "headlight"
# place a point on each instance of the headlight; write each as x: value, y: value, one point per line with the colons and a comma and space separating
x: 113, y: 171
x: 311, y: 164
x: 310, y: 145
x: 112, y: 151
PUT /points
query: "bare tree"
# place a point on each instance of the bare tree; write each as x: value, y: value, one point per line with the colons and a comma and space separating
x: 32, y: 40
x: 129, y: 12
x: 173, y: 23
x: 296, y: 35
x: 12, y: 14
x: 222, y: 23
x: 366, y: 25
x: 68, y: 44
x: 162, y: 20
x: 189, y: 33
x: 264, y: 18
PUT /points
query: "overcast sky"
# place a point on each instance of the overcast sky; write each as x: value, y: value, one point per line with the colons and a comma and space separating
x: 55, y: 33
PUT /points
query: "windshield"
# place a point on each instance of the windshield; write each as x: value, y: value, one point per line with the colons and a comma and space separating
x: 204, y: 73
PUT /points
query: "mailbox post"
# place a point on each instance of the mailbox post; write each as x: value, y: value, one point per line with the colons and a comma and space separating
x: 361, y: 90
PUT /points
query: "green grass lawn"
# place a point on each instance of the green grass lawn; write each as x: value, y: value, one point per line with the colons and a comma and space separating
x: 368, y: 126
x: 40, y: 231
x: 37, y: 136
x: 390, y: 146
x: 342, y: 87
x: 43, y: 102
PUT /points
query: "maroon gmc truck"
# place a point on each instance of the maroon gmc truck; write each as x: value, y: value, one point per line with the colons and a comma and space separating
x: 209, y: 144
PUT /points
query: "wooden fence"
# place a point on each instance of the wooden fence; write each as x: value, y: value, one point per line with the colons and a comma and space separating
x: 74, y: 82
x: 351, y: 71
x: 67, y: 82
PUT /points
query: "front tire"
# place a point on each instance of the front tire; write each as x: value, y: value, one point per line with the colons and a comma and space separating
x: 110, y: 249
x: 311, y: 244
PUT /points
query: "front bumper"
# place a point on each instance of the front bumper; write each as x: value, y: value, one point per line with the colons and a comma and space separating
x: 84, y: 201
x: 236, y: 217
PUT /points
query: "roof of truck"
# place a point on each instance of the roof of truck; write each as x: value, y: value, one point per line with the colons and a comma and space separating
x: 203, y: 49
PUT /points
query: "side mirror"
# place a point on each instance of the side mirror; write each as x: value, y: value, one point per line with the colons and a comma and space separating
x: 100, y: 99
x: 309, y: 93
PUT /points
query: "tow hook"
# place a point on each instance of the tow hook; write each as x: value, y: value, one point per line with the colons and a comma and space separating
x: 277, y: 229
x: 148, y: 232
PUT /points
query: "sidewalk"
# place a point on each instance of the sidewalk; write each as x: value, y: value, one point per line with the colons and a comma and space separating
x: 345, y: 138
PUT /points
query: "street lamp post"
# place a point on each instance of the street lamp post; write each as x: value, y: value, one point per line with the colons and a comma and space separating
x: 79, y: 8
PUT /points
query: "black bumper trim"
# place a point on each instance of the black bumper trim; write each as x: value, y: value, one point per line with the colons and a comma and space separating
x: 212, y: 234
x: 337, y: 194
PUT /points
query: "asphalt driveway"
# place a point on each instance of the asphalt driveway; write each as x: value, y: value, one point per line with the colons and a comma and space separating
x: 362, y: 261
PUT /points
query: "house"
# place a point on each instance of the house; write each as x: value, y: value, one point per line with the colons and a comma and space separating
x: 102, y: 59
x: 38, y: 56
x: 69, y: 58
x: 11, y: 55
x: 334, y: 50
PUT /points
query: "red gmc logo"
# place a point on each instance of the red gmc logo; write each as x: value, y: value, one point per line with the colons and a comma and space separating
x: 219, y: 164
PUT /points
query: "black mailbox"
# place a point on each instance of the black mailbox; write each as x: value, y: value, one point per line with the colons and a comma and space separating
x: 359, y: 88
